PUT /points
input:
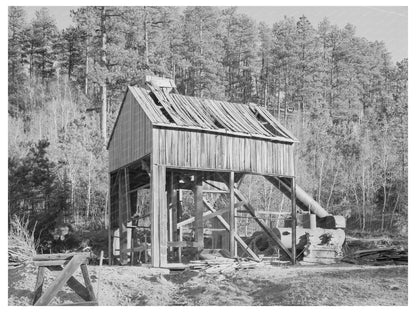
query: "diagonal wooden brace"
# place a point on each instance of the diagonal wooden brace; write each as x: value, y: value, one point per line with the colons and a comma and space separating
x: 260, y: 222
x: 227, y: 227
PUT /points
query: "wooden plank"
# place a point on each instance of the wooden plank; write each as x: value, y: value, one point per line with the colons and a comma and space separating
x: 199, y: 210
x: 60, y: 281
x: 122, y: 220
x: 292, y: 159
x: 206, y: 216
x: 236, y: 236
x: 87, y: 281
x: 60, y: 256
x: 39, y: 284
x: 176, y: 266
x: 84, y: 303
x: 224, y: 132
x: 224, y: 151
x: 216, y: 191
x: 174, y: 207
x: 183, y: 244
x: 79, y: 289
x: 163, y: 216
x: 74, y: 284
x: 109, y: 229
x: 233, y: 227
x: 294, y: 219
x: 47, y: 263
x: 154, y: 216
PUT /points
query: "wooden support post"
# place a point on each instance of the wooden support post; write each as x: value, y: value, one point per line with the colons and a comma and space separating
x: 179, y: 219
x: 293, y: 220
x: 109, y: 236
x: 174, y: 210
x: 133, y: 241
x: 199, y: 211
x: 123, y: 215
x: 233, y: 228
x: 180, y: 248
x: 163, y: 217
x: 154, y: 216
x: 159, y: 216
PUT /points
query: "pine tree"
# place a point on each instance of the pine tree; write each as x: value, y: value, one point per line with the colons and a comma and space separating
x: 239, y: 40
x: 41, y: 49
x: 202, y: 53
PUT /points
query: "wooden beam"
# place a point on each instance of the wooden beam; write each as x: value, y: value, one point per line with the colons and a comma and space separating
x: 122, y: 215
x: 233, y: 228
x: 294, y: 219
x: 39, y: 284
x: 236, y: 236
x: 199, y: 210
x: 87, y: 281
x: 179, y: 218
x: 79, y: 289
x: 47, y: 263
x: 84, y: 303
x: 109, y: 230
x: 60, y: 256
x: 183, y: 244
x: 163, y: 217
x: 206, y: 216
x: 174, y: 208
x: 154, y: 216
x: 216, y: 191
x: 260, y: 222
x: 145, y: 186
x: 240, y: 180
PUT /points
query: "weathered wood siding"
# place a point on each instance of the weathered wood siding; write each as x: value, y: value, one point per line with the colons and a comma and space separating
x: 132, y: 137
x: 200, y: 150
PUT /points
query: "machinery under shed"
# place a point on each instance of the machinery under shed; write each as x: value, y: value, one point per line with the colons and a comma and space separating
x: 164, y: 145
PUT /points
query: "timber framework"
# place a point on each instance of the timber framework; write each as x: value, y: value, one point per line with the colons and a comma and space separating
x: 164, y: 144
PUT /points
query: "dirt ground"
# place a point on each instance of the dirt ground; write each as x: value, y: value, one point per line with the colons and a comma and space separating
x: 342, y: 284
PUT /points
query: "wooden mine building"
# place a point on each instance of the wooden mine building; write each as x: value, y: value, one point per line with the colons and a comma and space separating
x: 163, y: 142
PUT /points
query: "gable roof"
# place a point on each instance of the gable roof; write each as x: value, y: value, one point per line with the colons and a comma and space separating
x: 171, y: 110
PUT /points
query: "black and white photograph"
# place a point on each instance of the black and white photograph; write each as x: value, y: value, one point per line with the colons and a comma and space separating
x: 207, y: 155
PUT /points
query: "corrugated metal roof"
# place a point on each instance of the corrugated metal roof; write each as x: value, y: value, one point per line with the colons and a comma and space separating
x: 180, y: 111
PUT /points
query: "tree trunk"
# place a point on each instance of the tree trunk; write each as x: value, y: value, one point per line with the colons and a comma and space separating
x: 320, y: 181
x: 332, y: 188
x: 89, y: 187
x: 146, y: 38
x: 364, y: 198
x: 104, y: 82
x: 86, y: 68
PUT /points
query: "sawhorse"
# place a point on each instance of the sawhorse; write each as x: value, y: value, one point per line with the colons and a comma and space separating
x: 67, y: 264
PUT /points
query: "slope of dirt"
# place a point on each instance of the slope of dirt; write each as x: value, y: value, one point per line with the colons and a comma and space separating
x: 267, y: 285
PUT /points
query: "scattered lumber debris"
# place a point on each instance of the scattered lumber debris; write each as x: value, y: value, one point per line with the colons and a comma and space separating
x: 227, y: 266
x: 378, y: 256
x: 214, y: 261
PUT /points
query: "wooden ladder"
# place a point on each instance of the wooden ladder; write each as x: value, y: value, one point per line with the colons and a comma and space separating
x: 67, y: 264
